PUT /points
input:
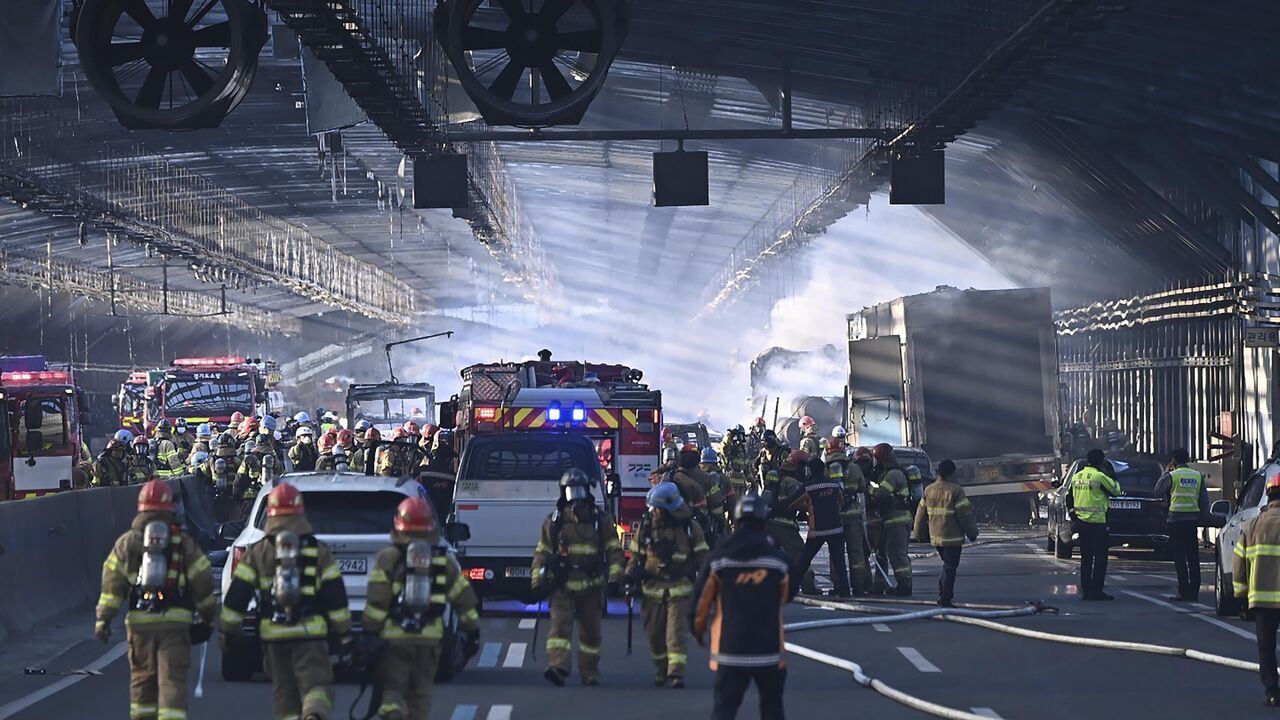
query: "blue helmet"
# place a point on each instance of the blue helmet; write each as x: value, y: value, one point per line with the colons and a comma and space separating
x: 199, y: 457
x: 665, y: 496
x: 268, y: 425
x: 302, y: 417
x: 124, y: 436
x: 362, y: 425
x: 204, y: 430
x: 709, y: 456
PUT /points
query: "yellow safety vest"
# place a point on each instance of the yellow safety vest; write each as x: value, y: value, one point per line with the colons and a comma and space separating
x: 1184, y: 493
x: 1091, y: 491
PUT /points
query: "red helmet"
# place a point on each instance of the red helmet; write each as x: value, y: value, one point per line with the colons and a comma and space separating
x: 689, y: 447
x: 412, y: 428
x: 249, y: 426
x: 758, y: 422
x: 139, y: 440
x: 667, y: 435
x: 414, y: 516
x: 798, y: 457
x: 285, y: 500
x: 399, y: 434
x: 862, y: 453
x: 429, y: 429
x: 237, y: 418
x: 372, y: 434
x: 882, y: 452
x: 156, y: 495
x: 326, y: 442
x: 1273, y: 482
x: 346, y: 437
x: 807, y: 422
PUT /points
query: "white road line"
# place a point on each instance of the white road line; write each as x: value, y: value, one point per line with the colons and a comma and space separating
x: 464, y: 712
x: 881, y: 627
x: 515, y: 655
x: 528, y: 623
x: 987, y: 713
x: 1186, y: 611
x: 914, y: 657
x: 26, y: 701
x: 1119, y: 578
x: 489, y: 655
x: 1034, y: 547
x: 500, y: 712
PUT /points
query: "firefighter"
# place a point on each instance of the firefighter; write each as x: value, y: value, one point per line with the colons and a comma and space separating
x: 713, y: 488
x: 111, y: 467
x: 224, y: 467
x: 167, y: 461
x: 198, y: 466
x: 890, y: 490
x: 666, y: 555
x: 392, y: 460
x: 443, y: 457
x: 1087, y: 505
x: 772, y: 453
x: 784, y: 490
x: 945, y: 516
x: 577, y: 553
x: 300, y: 602
x: 852, y: 517
x: 325, y: 461
x: 735, y: 461
x: 692, y: 483
x: 1255, y: 579
x: 746, y: 582
x: 260, y: 465
x: 809, y: 437
x: 441, y: 472
x: 141, y: 468
x: 182, y: 439
x: 411, y: 582
x: 755, y: 441
x: 824, y: 499
x: 204, y: 438
x: 303, y: 454
x: 344, y: 448
x: 370, y: 446
x: 1187, y: 494
x: 165, y: 583
x: 669, y: 446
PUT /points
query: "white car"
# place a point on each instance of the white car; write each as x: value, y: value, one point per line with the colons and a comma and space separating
x: 1233, y: 519
x: 352, y: 514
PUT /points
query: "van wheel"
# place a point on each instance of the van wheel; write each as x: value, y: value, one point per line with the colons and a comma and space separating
x: 1225, y: 603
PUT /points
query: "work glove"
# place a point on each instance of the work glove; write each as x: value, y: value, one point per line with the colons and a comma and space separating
x: 471, y: 644
x: 102, y: 631
x: 200, y: 633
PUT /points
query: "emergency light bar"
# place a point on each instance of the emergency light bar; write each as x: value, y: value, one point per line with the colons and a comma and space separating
x: 208, y: 361
x: 579, y: 413
x: 45, y: 376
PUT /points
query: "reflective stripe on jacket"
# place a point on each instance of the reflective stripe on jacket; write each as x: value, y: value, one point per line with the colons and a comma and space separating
x: 1255, y: 570
x: 1184, y: 490
x: 1091, y: 493
x: 946, y: 515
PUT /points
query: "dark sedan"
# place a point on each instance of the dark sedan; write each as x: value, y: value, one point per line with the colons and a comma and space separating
x: 1136, y: 518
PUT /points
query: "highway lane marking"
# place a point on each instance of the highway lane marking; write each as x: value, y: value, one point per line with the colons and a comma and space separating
x: 515, y: 655
x: 987, y: 713
x: 22, y: 703
x: 914, y: 657
x: 881, y: 627
x: 1184, y: 611
x: 500, y: 712
x: 464, y: 712
x: 489, y: 655
x: 1119, y: 578
x: 528, y: 624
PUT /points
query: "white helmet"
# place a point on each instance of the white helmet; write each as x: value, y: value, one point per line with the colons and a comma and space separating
x: 839, y: 432
x: 304, y: 431
x: 302, y: 417
x: 329, y: 417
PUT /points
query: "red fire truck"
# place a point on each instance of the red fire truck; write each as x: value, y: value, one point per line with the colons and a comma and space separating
x: 605, y: 403
x: 43, y: 427
x: 199, y: 389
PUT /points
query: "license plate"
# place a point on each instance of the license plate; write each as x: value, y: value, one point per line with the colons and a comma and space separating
x: 1126, y: 505
x: 988, y: 473
x: 518, y: 572
x: 353, y: 566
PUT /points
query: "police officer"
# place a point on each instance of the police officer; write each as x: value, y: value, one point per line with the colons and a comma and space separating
x: 824, y: 499
x: 890, y: 489
x: 945, y: 516
x: 167, y: 462
x: 1255, y: 579
x: 164, y: 581
x: 665, y: 557
x: 746, y: 581
x: 111, y: 467
x: 412, y: 582
x: 852, y: 517
x: 303, y: 454
x: 301, y: 601
x: 1087, y: 503
x: 577, y: 552
x: 1187, y: 494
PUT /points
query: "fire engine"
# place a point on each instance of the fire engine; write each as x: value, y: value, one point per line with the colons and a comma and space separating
x: 199, y: 389
x: 42, y: 429
x: 605, y: 403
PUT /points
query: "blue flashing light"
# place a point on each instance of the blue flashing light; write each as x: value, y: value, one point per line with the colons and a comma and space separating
x: 579, y: 413
x: 553, y: 412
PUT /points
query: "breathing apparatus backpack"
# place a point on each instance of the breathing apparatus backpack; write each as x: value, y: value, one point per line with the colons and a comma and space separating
x: 422, y: 596
x: 154, y: 591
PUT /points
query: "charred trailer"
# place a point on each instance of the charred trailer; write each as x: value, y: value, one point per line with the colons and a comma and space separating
x: 969, y: 375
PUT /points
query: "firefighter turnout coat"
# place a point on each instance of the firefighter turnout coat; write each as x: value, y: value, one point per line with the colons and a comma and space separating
x: 1255, y: 570
x: 945, y: 516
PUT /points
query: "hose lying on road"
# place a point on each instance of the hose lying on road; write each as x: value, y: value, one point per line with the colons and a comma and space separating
x: 865, y: 604
x: 907, y: 617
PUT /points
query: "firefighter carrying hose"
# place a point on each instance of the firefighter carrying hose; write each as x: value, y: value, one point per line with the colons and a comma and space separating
x: 158, y: 573
x: 412, y: 581
x: 577, y: 553
x: 665, y: 557
x: 300, y: 601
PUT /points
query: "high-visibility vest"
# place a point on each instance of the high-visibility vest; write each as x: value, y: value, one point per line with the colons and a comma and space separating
x: 1091, y: 492
x: 1184, y: 493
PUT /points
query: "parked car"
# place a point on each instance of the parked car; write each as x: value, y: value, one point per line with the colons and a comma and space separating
x: 1232, y: 517
x: 352, y: 514
x: 1137, y: 517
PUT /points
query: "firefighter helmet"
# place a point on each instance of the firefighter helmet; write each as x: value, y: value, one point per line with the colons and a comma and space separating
x: 757, y: 423
x: 302, y: 417
x: 327, y: 442
x: 181, y: 425
x: 429, y: 429
x: 362, y: 425
x: 751, y: 507
x: 412, y: 428
x: 267, y: 425
x: 372, y: 434
x: 839, y: 432
x: 123, y: 436
x: 664, y: 496
x: 575, y: 485
x: 346, y: 437
x: 199, y: 457
x: 285, y: 500
x: 414, y: 515
x: 305, y: 432
x: 883, y: 452
x: 798, y: 458
x: 164, y: 425
x: 399, y: 434
x: 807, y: 422
x: 770, y: 438
x: 139, y: 441
x: 204, y: 430
x: 862, y: 453
x: 237, y: 417
x: 156, y: 496
x: 668, y: 435
x: 709, y: 456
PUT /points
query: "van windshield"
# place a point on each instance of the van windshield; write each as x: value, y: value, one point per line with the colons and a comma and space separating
x: 347, y: 512
x: 523, y: 460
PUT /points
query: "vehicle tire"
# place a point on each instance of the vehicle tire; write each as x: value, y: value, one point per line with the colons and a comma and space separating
x: 1225, y: 603
x: 237, y: 664
x: 1062, y: 550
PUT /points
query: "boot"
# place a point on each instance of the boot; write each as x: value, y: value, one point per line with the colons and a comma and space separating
x: 677, y: 682
x: 556, y: 676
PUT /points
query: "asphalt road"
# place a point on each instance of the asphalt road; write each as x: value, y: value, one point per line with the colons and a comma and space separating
x: 963, y: 667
